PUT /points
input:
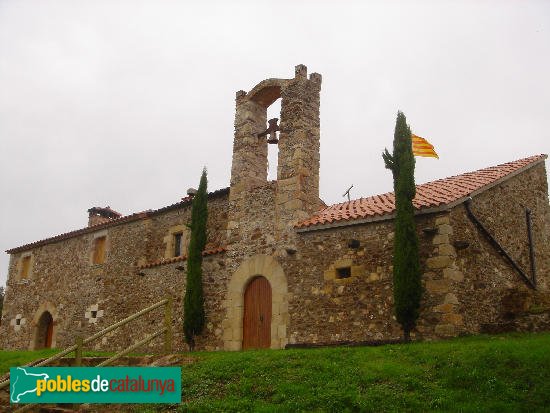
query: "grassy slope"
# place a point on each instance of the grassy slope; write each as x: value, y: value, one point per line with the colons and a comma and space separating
x: 504, y: 374
x: 19, y: 358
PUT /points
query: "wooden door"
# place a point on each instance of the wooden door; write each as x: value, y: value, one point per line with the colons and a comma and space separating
x: 257, y: 314
x: 49, y: 332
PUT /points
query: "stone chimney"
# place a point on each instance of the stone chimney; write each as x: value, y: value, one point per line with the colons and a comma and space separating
x: 99, y: 215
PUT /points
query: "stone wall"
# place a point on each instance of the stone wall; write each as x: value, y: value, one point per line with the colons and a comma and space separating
x: 168, y: 280
x: 325, y: 309
x: 490, y: 292
x: 468, y: 286
x: 64, y: 281
x: 298, y: 164
x: 172, y: 220
x: 467, y: 290
x: 249, y: 165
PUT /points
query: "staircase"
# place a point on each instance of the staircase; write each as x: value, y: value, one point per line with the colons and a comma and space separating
x: 120, y: 358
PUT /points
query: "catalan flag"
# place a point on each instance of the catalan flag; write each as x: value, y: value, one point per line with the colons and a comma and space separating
x: 421, y: 147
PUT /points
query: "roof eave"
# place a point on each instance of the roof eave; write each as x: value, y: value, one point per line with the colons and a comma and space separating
x: 377, y: 218
x: 440, y: 208
x: 109, y: 224
x: 82, y: 231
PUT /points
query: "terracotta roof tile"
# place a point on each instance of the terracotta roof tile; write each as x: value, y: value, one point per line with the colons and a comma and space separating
x: 441, y: 192
x: 116, y: 221
x: 185, y: 202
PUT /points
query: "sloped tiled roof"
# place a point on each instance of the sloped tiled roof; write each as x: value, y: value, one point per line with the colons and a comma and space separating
x: 437, y: 194
x: 185, y: 202
x: 117, y: 221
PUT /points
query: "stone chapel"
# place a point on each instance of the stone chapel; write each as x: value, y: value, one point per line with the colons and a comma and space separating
x: 281, y: 268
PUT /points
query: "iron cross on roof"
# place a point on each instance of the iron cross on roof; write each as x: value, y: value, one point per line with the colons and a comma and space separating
x: 347, y: 193
x: 271, y: 130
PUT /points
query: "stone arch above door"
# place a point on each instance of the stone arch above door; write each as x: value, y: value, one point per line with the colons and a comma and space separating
x: 44, y: 307
x: 269, y: 268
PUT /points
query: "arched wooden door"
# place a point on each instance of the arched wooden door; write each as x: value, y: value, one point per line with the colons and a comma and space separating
x: 49, y: 333
x: 44, y: 335
x: 257, y: 314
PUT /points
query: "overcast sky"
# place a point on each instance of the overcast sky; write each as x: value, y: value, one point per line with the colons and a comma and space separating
x: 121, y: 103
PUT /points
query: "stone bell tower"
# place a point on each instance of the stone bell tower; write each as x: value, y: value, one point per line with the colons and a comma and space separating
x: 298, y: 165
x: 295, y: 194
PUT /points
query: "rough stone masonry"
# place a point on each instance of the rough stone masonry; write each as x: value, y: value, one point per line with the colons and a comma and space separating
x: 328, y: 268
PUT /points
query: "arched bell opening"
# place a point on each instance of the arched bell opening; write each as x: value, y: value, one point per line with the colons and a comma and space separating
x: 267, y: 94
x: 273, y: 112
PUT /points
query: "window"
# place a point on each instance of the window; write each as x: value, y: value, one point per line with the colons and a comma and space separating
x: 176, y: 241
x: 25, y: 266
x: 99, y: 250
x: 344, y: 272
x: 178, y: 250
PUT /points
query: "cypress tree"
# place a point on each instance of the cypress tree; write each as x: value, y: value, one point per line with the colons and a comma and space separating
x: 407, y: 287
x: 193, y: 304
x: 1, y: 302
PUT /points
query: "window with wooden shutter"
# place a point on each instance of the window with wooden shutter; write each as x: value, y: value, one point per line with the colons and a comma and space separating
x: 99, y: 250
x: 25, y: 266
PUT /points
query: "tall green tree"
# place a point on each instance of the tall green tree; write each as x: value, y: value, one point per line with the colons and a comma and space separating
x: 193, y: 304
x: 407, y: 286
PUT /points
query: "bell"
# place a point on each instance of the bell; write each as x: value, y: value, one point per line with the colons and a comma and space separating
x: 273, y: 138
x: 271, y: 130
